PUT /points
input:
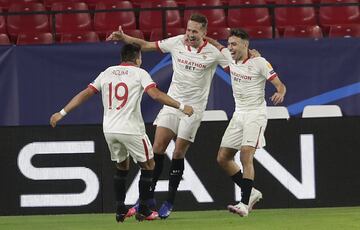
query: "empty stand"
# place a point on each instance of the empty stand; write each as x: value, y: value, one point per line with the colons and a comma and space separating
x: 303, y: 32
x: 218, y: 33
x: 342, y: 15
x: 68, y: 22
x: 321, y: 111
x: 4, y: 39
x: 31, y: 39
x: 33, y: 23
x: 247, y: 17
x: 216, y: 17
x: 88, y: 36
x: 149, y: 20
x: 294, y: 16
x: 345, y: 31
x: 277, y: 112
x: 110, y: 21
x: 2, y: 23
x: 157, y: 34
x: 261, y: 32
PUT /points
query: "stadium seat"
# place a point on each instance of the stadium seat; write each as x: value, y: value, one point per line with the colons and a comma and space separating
x: 133, y: 33
x: 149, y: 20
x: 2, y: 23
x: 294, y: 16
x: 34, y: 23
x: 88, y: 36
x: 216, y: 17
x: 277, y: 112
x: 4, y: 39
x: 321, y: 111
x: 303, y: 32
x: 345, y: 31
x: 48, y: 3
x: 110, y: 21
x: 157, y: 34
x: 261, y: 32
x: 5, y: 4
x: 68, y: 23
x: 30, y: 39
x: 218, y: 33
x: 214, y: 115
x: 247, y: 17
x: 332, y: 15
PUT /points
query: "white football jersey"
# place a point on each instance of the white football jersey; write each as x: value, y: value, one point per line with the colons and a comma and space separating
x: 248, y: 80
x: 121, y: 89
x: 193, y: 70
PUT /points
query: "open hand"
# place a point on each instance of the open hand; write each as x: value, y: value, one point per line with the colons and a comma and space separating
x: 277, y: 98
x: 55, y: 118
x: 116, y: 35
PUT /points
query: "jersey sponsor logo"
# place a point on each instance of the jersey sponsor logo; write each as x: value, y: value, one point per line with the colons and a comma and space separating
x: 238, y: 77
x: 190, y: 65
x: 271, y: 72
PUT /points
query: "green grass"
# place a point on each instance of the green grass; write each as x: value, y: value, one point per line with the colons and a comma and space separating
x: 277, y: 219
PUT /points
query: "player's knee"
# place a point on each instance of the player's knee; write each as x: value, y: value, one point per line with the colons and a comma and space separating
x: 222, y: 160
x: 147, y: 165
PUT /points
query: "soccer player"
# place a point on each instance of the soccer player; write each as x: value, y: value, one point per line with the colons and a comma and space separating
x: 122, y: 88
x: 245, y: 131
x: 194, y: 63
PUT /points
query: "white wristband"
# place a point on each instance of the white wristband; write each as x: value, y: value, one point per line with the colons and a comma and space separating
x: 63, y: 112
x: 181, y: 107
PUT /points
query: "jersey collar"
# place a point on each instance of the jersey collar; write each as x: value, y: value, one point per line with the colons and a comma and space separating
x: 126, y: 64
x: 200, y: 48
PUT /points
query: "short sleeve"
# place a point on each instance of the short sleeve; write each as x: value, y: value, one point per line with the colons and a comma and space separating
x: 266, y: 69
x: 166, y: 45
x: 146, y: 81
x: 96, y: 84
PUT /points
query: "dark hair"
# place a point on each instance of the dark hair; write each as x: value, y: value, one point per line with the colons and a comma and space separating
x: 240, y: 33
x: 130, y: 52
x: 200, y: 19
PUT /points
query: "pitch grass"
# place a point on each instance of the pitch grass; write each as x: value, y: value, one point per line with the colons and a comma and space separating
x: 269, y: 219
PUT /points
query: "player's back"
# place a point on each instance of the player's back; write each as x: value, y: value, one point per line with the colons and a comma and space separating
x: 122, y: 89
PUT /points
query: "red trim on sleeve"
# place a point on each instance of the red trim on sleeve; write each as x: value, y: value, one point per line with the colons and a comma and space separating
x: 272, y: 77
x: 152, y: 85
x: 158, y: 47
x: 93, y: 88
x: 146, y: 149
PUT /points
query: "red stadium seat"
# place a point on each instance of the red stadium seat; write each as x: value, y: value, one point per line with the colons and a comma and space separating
x: 294, y: 16
x: 157, y: 34
x: 4, y: 39
x: 261, y: 32
x: 216, y: 17
x: 342, y: 15
x: 48, y: 3
x: 345, y: 31
x: 34, y: 23
x: 68, y: 23
x: 2, y: 23
x: 149, y: 20
x: 218, y: 33
x: 303, y: 32
x: 30, y: 39
x: 248, y: 16
x: 88, y: 36
x: 110, y: 21
x: 5, y: 4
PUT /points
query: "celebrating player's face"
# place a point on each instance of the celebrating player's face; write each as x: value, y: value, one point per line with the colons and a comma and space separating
x: 195, y: 33
x: 237, y: 47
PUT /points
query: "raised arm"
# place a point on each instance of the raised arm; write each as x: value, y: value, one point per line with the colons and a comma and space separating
x: 74, y: 103
x: 121, y: 36
x: 278, y: 96
x: 163, y: 98
x: 214, y: 43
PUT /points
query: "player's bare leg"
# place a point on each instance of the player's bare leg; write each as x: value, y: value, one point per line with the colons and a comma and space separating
x: 175, y: 175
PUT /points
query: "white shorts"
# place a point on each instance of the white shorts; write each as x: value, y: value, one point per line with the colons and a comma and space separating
x: 245, y: 129
x: 182, y: 125
x: 123, y: 145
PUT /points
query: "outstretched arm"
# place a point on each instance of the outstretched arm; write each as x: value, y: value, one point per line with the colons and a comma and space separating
x: 74, y: 103
x: 163, y: 98
x: 121, y: 36
x: 278, y: 97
